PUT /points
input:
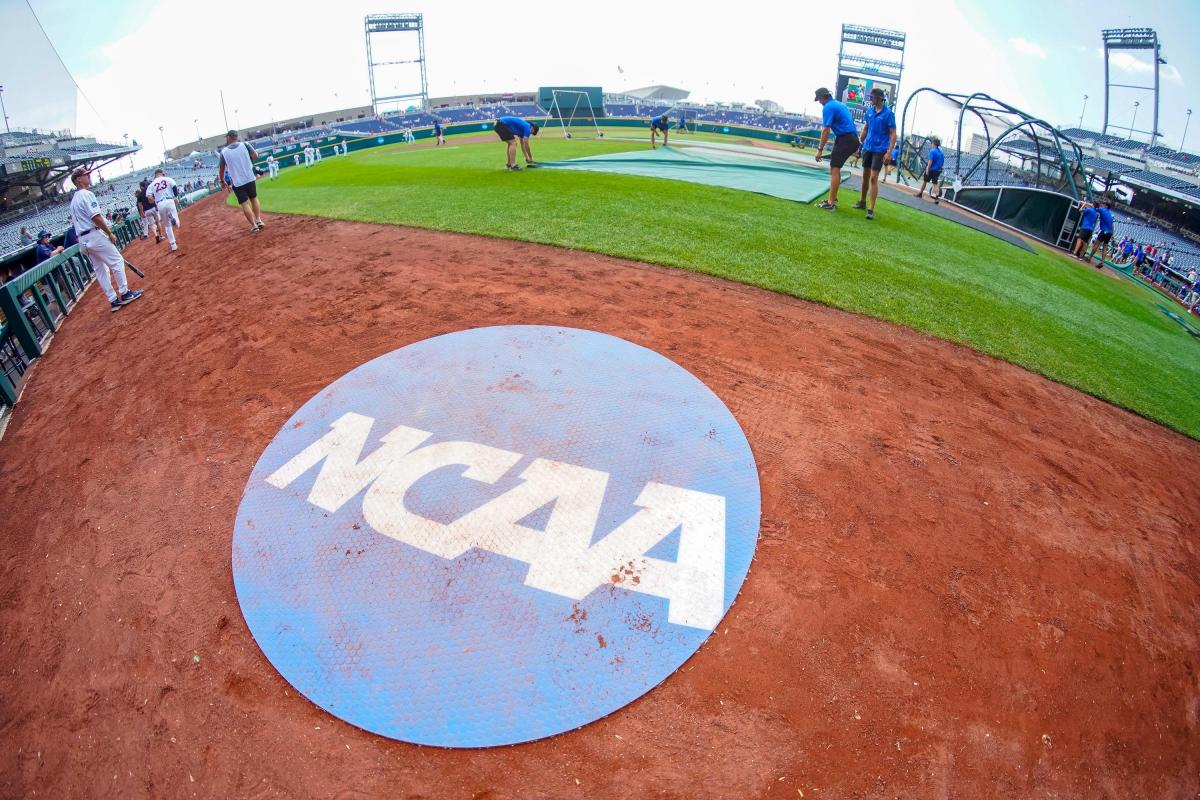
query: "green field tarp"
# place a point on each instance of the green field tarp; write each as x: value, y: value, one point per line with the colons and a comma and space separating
x: 733, y: 170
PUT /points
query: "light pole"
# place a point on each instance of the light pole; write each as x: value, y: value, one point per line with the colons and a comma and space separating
x: 1080, y: 125
x: 272, y: 111
x: 163, y: 137
x: 236, y: 123
x: 196, y: 122
x: 2, y: 111
x: 1186, y: 122
x: 1134, y: 120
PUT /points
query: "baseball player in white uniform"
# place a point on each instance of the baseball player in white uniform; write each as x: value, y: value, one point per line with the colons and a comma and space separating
x: 295, y: 159
x: 317, y: 153
x: 164, y: 189
x: 272, y: 167
x: 149, y: 212
x: 97, y: 241
x: 308, y: 155
x: 408, y: 136
x: 237, y: 159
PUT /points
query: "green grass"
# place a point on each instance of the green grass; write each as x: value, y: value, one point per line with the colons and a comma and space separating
x: 1038, y: 310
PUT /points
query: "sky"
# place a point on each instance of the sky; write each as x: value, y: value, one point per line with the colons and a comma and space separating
x: 141, y: 66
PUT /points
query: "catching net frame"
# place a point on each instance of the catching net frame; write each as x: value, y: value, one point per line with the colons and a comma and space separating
x: 573, y: 111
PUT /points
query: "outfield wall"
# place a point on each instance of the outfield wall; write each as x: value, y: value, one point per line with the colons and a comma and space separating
x: 285, y: 153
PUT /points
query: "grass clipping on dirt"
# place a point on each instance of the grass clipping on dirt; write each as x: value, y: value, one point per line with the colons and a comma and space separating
x: 1069, y: 323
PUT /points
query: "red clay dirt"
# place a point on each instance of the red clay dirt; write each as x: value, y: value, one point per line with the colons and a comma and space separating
x: 971, y: 582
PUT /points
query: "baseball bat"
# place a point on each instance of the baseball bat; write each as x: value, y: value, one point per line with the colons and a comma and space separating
x: 140, y: 274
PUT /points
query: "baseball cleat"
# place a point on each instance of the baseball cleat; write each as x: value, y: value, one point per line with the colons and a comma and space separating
x: 116, y: 305
x: 129, y: 296
x: 174, y: 247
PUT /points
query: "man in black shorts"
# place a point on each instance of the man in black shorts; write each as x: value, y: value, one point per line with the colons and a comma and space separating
x: 933, y: 171
x: 510, y: 129
x: 837, y: 121
x: 237, y: 158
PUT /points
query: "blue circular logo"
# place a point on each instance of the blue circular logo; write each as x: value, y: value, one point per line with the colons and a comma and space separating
x: 495, y: 535
x: 379, y: 139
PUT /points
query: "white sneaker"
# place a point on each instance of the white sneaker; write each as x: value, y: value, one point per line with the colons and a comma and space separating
x: 174, y: 247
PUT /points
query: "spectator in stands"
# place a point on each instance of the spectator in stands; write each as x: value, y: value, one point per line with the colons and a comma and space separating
x: 26, y: 237
x: 1087, y: 226
x: 1104, y: 237
x: 509, y: 129
x: 933, y: 171
x: 878, y: 137
x: 836, y: 121
x: 660, y: 123
x: 44, y: 250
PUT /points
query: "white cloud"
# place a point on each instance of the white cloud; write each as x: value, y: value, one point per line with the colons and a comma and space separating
x: 1027, y: 48
x: 1131, y: 64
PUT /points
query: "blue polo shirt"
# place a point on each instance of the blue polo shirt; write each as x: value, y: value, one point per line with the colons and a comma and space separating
x: 836, y: 117
x: 44, y: 251
x: 879, y: 127
x: 658, y: 122
x: 437, y: 127
x: 1087, y: 220
x: 518, y: 126
x: 1106, y: 220
x: 936, y: 159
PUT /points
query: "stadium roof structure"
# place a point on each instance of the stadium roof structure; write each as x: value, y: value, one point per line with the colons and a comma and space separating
x: 668, y: 93
x: 33, y: 165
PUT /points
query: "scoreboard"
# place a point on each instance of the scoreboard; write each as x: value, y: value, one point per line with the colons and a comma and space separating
x: 31, y: 164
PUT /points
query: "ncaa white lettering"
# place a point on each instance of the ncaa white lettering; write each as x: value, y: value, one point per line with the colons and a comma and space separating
x: 562, y: 559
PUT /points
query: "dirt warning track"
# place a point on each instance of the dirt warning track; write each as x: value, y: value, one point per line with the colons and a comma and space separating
x: 970, y: 581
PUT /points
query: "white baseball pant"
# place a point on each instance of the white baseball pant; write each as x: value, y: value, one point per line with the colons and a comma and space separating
x: 105, y: 256
x: 168, y: 219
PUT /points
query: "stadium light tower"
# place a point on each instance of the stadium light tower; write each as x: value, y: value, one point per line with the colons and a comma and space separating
x: 378, y: 24
x: 1120, y: 40
x: 2, y: 111
x: 1080, y: 125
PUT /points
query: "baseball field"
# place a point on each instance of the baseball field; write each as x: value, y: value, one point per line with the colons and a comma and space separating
x: 977, y: 568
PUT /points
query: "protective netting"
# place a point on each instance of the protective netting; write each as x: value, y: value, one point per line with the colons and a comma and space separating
x: 39, y: 92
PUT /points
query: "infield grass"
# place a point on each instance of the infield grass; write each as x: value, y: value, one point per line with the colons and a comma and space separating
x: 1106, y: 337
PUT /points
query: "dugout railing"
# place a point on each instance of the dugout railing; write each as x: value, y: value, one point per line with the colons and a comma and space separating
x: 35, y: 303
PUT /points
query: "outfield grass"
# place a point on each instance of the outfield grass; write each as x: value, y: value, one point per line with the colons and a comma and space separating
x: 1038, y: 310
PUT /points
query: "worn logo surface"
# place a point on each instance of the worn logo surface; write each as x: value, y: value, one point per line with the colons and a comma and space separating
x: 495, y: 535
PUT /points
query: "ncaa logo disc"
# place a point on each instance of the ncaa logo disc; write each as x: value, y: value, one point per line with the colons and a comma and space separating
x: 495, y: 535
